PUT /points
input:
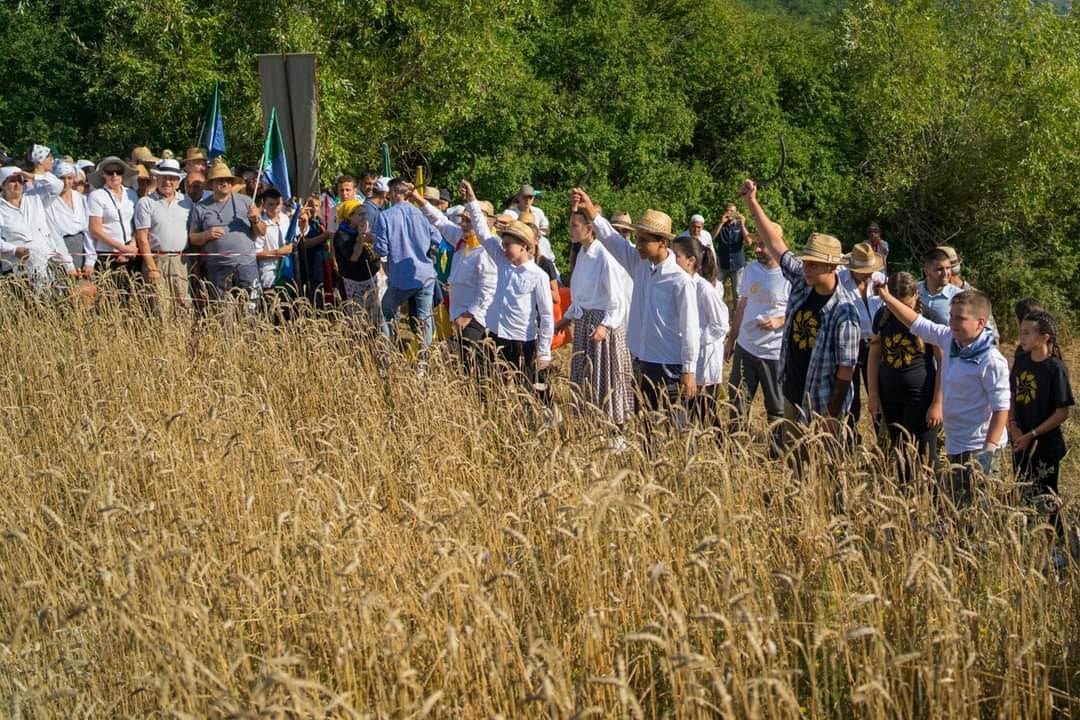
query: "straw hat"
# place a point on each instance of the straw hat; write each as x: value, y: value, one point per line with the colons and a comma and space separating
x: 143, y: 173
x: 654, y: 222
x: 195, y: 153
x: 97, y: 178
x: 863, y: 259
x: 218, y: 170
x: 143, y: 155
x: 488, y: 209
x: 621, y: 220
x: 823, y: 249
x: 519, y: 231
x: 431, y: 194
x: 954, y: 257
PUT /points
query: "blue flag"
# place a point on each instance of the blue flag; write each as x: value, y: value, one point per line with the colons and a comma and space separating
x: 286, y: 271
x: 214, y: 126
x: 275, y: 167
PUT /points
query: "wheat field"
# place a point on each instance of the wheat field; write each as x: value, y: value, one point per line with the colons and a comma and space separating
x: 245, y: 521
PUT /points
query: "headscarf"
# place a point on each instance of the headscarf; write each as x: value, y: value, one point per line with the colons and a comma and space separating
x: 346, y: 209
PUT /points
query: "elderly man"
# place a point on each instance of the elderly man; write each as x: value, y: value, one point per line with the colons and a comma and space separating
x: 26, y: 241
x: 226, y: 225
x: 161, y: 233
x: 696, y: 229
x: 525, y: 200
x: 405, y: 239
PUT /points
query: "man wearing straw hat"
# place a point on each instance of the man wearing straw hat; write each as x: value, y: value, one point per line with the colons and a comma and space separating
x: 662, y: 331
x: 860, y: 276
x: 225, y: 226
x: 820, y: 346
x: 161, y: 232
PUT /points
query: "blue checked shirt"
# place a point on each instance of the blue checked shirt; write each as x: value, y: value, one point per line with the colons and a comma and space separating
x: 837, y: 343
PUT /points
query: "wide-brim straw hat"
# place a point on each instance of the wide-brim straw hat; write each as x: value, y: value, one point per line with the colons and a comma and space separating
x: 863, y: 259
x: 621, y: 220
x: 97, y: 178
x: 143, y: 155
x: 519, y: 231
x: 654, y: 222
x: 195, y: 153
x: 822, y: 248
x: 488, y: 209
x: 219, y: 170
x: 431, y: 194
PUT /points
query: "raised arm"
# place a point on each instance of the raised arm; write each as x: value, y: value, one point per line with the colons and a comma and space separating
x: 771, y: 233
x: 48, y: 187
x: 619, y: 247
x: 451, y: 232
x: 489, y: 240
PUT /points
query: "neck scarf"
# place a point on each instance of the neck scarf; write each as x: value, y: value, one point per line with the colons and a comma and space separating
x: 976, y: 351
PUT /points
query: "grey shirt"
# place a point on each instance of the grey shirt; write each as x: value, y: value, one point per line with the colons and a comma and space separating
x: 167, y: 221
x: 231, y: 214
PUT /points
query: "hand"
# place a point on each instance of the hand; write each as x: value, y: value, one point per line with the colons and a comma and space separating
x: 934, y: 415
x: 284, y: 250
x: 562, y: 324
x: 1023, y: 442
x: 873, y: 404
x: 581, y: 198
x: 22, y: 251
x: 254, y: 214
x: 466, y: 191
x: 153, y: 274
x: 88, y: 272
x: 748, y: 191
x: 882, y: 290
x: 773, y: 322
x: 131, y: 249
x: 216, y: 232
x: 688, y: 383
x: 600, y: 334
x: 543, y: 364
x: 416, y: 197
x: 462, y: 321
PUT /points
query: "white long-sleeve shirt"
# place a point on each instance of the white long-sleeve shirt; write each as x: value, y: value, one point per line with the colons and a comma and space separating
x: 599, y: 282
x: 67, y: 220
x: 27, y: 225
x: 522, y: 299
x: 663, y: 323
x: 276, y: 230
x: 714, y: 321
x: 473, y: 276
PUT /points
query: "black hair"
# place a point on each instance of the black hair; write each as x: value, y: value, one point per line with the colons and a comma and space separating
x: 1026, y: 306
x: 709, y: 268
x: 934, y: 255
x: 269, y: 193
x: 691, y: 248
x: 369, y: 175
x: 397, y: 184
x: 1045, y: 324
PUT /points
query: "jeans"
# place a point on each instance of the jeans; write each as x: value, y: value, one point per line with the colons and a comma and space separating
x: 962, y: 474
x: 243, y: 275
x: 736, y: 280
x: 420, y: 311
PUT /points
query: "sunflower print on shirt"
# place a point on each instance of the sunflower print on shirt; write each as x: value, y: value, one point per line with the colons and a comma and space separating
x: 899, y: 350
x: 804, y: 329
x: 1026, y: 388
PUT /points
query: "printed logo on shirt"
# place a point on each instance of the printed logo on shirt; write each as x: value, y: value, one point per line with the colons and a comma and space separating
x: 899, y: 350
x: 804, y: 329
x: 1026, y: 388
x: 754, y: 288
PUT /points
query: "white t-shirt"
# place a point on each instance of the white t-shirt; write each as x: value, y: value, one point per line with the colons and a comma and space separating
x: 766, y: 292
x: 272, y: 240
x: 117, y: 215
x: 970, y: 392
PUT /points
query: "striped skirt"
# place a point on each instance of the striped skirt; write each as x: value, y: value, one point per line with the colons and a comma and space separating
x: 602, y: 373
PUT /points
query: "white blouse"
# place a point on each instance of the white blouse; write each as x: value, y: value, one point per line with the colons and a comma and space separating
x: 600, y: 283
x: 714, y: 322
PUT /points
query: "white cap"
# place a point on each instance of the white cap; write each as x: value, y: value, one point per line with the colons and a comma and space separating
x: 64, y: 169
x: 83, y: 164
x: 697, y: 219
x: 168, y: 168
x: 8, y: 170
x: 382, y: 185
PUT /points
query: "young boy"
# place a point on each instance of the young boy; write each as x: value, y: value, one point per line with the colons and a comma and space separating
x: 975, y: 382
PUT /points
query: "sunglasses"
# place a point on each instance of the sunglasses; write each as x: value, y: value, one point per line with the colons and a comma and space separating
x: 114, y: 171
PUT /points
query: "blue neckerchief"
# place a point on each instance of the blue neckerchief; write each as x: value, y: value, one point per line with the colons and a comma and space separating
x: 348, y: 229
x: 976, y: 351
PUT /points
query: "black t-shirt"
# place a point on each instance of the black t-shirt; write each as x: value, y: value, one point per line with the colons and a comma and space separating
x: 549, y: 267
x: 905, y: 373
x: 362, y: 269
x: 800, y: 344
x: 1038, y: 389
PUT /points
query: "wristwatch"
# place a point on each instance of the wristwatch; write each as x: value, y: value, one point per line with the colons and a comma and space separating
x: 1034, y: 433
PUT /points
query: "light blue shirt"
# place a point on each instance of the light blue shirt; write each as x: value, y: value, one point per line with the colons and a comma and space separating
x: 936, y: 306
x: 404, y: 237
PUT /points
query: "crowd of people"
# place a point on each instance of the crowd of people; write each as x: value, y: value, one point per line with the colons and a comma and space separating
x: 814, y: 329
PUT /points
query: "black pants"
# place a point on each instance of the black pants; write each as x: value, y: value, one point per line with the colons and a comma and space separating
x: 1042, y: 472
x: 470, y: 347
x: 521, y: 356
x: 748, y: 373
x: 658, y: 384
x: 859, y: 381
x: 123, y: 278
x: 906, y: 422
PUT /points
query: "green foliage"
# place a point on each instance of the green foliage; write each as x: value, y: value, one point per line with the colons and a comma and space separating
x: 955, y: 121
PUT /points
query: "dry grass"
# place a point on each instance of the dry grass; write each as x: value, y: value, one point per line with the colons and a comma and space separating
x: 257, y: 525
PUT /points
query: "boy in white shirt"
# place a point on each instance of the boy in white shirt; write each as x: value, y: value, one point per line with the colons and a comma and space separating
x: 270, y: 247
x: 975, y: 383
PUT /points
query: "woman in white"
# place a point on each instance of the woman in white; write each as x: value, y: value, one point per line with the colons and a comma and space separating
x: 520, y: 317
x: 601, y: 371
x: 111, y: 211
x: 26, y: 241
x: 699, y: 261
x: 69, y: 220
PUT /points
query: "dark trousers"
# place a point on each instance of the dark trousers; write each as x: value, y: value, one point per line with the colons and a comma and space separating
x: 121, y: 277
x: 748, y: 373
x: 469, y: 345
x: 906, y: 422
x: 520, y: 355
x: 1042, y: 473
x: 658, y: 384
x: 858, y: 382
